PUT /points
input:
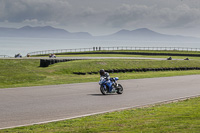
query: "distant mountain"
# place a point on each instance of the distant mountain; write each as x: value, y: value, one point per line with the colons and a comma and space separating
x: 142, y: 34
x: 42, y: 32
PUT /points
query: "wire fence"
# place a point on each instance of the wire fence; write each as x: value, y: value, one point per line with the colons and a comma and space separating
x: 4, y: 56
x: 111, y: 49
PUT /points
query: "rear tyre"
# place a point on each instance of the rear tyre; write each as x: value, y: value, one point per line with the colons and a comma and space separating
x: 103, y: 90
x: 119, y: 89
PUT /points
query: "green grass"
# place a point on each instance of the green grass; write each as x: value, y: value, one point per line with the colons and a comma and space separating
x: 20, y: 73
x: 177, y: 117
x: 127, y: 55
x: 96, y: 65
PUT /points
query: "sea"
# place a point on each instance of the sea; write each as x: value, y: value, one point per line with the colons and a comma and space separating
x: 11, y: 46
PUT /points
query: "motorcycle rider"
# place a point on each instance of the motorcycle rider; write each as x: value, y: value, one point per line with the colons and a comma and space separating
x: 107, y: 77
x: 104, y: 74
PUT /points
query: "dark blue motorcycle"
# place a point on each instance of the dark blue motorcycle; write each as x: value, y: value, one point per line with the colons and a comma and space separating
x: 108, y: 86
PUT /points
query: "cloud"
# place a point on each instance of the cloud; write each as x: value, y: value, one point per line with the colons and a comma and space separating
x: 41, y: 10
x: 128, y: 14
x: 153, y: 16
x: 45, y: 12
x: 101, y: 15
x: 182, y: 16
x: 36, y: 22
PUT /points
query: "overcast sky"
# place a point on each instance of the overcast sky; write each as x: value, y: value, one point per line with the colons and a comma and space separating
x: 100, y: 17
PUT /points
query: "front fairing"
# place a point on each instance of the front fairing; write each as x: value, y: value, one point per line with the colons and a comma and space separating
x: 105, y: 82
x: 109, y: 83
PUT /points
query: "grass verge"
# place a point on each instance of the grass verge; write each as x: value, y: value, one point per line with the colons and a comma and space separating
x: 20, y: 73
x: 177, y: 117
x: 126, y: 55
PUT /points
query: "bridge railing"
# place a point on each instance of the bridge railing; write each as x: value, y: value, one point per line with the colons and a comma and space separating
x: 112, y: 48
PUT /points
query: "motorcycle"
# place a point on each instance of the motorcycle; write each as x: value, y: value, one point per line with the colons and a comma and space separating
x: 18, y: 56
x: 108, y: 86
x: 52, y: 56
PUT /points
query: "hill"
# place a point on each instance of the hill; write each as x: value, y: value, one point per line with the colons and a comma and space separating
x: 42, y: 32
x: 142, y: 34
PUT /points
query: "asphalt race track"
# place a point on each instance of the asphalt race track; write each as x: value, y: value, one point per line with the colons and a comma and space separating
x: 41, y: 104
x: 85, y: 58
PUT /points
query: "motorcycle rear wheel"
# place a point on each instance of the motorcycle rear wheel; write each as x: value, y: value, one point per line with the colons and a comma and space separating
x: 119, y: 89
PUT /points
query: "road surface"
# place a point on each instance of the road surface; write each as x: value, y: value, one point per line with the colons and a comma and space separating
x: 31, y: 105
x: 137, y: 58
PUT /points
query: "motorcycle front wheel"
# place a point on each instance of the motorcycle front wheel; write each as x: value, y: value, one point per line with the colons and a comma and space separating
x: 103, y: 90
x: 119, y: 89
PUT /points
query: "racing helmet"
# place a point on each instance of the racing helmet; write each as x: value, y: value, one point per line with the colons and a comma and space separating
x: 102, y: 72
